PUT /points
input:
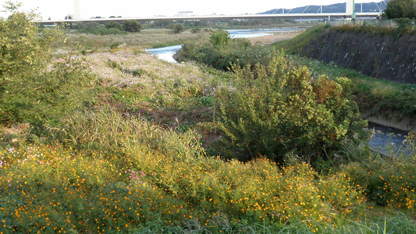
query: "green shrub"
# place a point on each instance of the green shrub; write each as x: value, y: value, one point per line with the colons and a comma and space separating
x: 115, y: 45
x: 278, y: 109
x: 400, y: 9
x: 177, y: 28
x: 387, y: 181
x: 222, y: 51
x: 101, y: 30
x: 114, y: 25
x: 220, y: 38
x: 132, y: 26
x: 196, y: 30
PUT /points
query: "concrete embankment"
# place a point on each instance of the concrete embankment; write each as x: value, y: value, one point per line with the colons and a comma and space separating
x: 376, y: 55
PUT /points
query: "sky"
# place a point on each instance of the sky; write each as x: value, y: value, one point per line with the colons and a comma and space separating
x: 58, y: 9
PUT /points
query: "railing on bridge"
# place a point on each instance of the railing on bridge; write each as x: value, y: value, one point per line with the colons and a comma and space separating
x: 379, y: 23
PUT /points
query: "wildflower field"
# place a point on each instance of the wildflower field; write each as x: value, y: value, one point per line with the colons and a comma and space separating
x: 119, y: 141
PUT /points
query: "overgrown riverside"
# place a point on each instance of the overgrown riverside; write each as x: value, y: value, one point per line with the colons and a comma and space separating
x: 381, y: 101
x: 115, y: 140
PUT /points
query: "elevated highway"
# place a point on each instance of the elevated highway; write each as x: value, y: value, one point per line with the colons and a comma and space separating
x: 219, y: 17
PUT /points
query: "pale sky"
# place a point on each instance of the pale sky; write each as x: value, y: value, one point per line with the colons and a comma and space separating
x: 58, y: 9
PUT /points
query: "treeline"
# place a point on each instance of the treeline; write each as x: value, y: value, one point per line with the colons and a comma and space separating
x: 108, y: 28
x: 176, y: 26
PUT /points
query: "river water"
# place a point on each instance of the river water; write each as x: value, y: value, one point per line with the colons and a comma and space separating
x: 389, y: 141
x: 385, y: 140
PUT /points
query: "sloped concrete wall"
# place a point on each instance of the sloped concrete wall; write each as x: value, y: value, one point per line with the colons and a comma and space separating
x: 378, y: 56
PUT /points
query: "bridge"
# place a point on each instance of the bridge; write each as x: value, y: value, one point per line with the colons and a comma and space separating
x: 350, y: 13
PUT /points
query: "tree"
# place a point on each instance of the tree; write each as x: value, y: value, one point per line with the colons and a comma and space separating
x: 178, y: 28
x: 114, y: 25
x: 29, y: 91
x: 132, y: 26
x: 401, y: 9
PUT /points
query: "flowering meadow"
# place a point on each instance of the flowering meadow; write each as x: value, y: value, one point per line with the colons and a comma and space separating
x: 117, y: 141
x: 114, y: 170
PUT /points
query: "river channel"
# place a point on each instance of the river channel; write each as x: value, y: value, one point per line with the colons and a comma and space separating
x: 387, y: 141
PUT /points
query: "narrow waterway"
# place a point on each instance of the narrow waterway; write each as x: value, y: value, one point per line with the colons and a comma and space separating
x: 389, y: 141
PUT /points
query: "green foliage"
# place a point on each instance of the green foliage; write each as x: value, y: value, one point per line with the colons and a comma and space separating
x: 296, y: 44
x: 110, y: 131
x: 177, y: 28
x: 404, y: 25
x: 401, y: 9
x: 222, y: 51
x: 374, y: 96
x: 278, y: 109
x: 132, y: 26
x: 98, y: 29
x: 220, y: 38
x: 114, y: 25
x: 115, y: 45
x: 386, y: 181
x: 46, y: 97
x: 31, y: 92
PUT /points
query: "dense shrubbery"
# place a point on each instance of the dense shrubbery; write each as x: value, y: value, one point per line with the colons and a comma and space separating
x: 97, y: 29
x: 387, y: 181
x: 132, y: 26
x: 177, y: 28
x: 222, y: 51
x: 401, y: 9
x: 30, y: 92
x: 279, y: 109
x: 109, y: 28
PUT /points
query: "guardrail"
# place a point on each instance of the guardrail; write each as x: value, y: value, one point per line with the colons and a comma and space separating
x: 365, y: 22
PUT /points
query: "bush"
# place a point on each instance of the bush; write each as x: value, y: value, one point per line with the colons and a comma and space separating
x: 101, y: 30
x: 387, y: 181
x: 220, y: 38
x: 222, y: 51
x: 30, y: 92
x: 132, y: 26
x: 177, y: 28
x: 401, y: 9
x: 115, y: 25
x: 278, y: 109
